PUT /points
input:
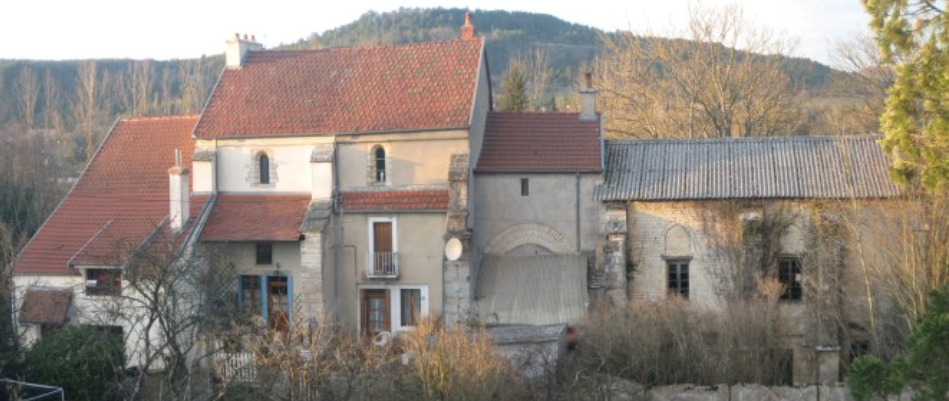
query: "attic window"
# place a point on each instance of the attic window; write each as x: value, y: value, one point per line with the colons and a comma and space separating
x: 263, y: 165
x: 264, y: 254
x: 379, y: 164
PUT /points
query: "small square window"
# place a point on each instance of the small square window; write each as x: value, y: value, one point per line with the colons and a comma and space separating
x: 264, y: 254
x: 525, y: 187
x: 679, y: 278
x: 789, y: 274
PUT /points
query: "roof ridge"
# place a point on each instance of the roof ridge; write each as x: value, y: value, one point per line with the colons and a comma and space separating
x: 158, y: 118
x: 364, y: 48
x: 629, y: 141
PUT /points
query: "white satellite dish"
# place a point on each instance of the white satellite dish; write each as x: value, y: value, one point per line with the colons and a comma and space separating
x: 453, y: 249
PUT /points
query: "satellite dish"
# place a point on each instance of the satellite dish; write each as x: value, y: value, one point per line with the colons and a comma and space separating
x: 453, y: 249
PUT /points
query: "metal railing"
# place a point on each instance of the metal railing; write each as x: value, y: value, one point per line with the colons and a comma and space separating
x: 382, y: 265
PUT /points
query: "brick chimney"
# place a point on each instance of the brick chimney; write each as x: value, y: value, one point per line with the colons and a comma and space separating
x: 468, y: 29
x: 587, y: 98
x: 178, y: 194
x: 235, y: 51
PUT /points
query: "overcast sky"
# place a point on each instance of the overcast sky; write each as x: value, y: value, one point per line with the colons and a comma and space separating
x: 166, y: 29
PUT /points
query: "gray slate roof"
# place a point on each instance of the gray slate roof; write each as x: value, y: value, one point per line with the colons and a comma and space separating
x: 732, y: 168
x: 532, y: 289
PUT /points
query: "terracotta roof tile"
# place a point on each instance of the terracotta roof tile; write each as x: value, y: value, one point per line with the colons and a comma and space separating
x: 256, y: 217
x: 394, y: 200
x: 542, y: 142
x: 345, y: 90
x: 42, y: 306
x: 126, y: 183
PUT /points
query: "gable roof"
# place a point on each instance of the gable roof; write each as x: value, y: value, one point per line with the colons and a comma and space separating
x: 405, y: 200
x: 121, y: 196
x: 540, y: 142
x: 256, y: 217
x: 421, y: 86
x: 45, y: 306
x: 746, y: 168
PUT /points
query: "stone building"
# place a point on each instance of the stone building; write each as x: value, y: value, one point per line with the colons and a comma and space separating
x: 368, y: 188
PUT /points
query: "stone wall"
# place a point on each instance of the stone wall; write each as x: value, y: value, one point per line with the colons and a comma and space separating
x: 620, y: 390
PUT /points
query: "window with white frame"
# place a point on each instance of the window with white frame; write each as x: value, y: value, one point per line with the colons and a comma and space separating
x: 406, y: 305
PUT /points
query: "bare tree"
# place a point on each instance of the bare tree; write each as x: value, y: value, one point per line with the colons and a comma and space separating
x: 859, y: 88
x: 725, y: 80
x: 51, y: 102
x: 27, y: 91
x: 142, y: 75
x: 87, y: 106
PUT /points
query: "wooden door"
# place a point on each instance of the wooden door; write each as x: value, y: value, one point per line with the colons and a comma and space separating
x: 382, y: 237
x: 375, y: 312
x: 278, y: 303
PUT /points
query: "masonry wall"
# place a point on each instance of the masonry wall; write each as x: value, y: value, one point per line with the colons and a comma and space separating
x: 663, y: 231
x: 420, y: 244
x: 551, y: 202
x: 413, y: 160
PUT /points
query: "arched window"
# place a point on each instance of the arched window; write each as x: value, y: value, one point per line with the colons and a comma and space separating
x: 264, y: 166
x: 379, y: 158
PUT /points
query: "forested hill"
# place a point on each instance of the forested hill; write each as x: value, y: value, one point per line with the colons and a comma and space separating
x: 568, y: 45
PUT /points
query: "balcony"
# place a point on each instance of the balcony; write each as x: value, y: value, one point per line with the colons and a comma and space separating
x: 382, y: 265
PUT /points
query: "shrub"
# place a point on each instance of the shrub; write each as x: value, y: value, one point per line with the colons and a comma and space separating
x: 82, y: 360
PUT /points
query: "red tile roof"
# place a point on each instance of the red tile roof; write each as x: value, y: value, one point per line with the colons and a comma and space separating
x: 345, y: 90
x: 126, y: 183
x: 541, y: 142
x: 41, y: 306
x: 394, y: 200
x: 256, y: 217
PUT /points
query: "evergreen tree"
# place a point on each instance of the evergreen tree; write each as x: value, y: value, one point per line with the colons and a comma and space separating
x: 914, y: 37
x: 515, y: 88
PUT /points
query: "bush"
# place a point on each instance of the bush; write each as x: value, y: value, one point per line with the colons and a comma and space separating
x: 82, y: 360
x: 676, y: 342
x: 925, y: 368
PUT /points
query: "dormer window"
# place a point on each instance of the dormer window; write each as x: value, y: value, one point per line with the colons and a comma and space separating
x: 379, y: 164
x: 263, y: 165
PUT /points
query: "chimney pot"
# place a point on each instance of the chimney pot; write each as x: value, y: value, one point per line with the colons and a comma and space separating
x: 588, y: 98
x: 245, y: 36
x: 236, y: 49
x: 253, y: 38
x: 468, y: 29
x: 179, y: 210
x: 237, y: 36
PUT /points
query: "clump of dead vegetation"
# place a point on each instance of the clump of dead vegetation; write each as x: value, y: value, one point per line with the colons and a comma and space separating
x: 434, y: 362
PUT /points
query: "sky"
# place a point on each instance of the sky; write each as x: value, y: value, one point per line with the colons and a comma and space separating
x: 169, y: 29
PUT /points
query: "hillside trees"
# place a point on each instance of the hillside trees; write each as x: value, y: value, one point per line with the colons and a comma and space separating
x: 913, y: 36
x: 727, y: 79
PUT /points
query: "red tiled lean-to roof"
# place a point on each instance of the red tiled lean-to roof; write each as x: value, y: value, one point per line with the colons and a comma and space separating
x: 345, y: 90
x: 540, y: 142
x: 435, y: 200
x: 255, y: 217
x: 45, y: 306
x: 121, y: 197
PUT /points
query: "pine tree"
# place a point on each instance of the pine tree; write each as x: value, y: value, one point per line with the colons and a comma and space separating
x: 514, y: 87
x: 913, y: 36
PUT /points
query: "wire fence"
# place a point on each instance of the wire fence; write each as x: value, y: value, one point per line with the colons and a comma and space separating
x: 12, y: 390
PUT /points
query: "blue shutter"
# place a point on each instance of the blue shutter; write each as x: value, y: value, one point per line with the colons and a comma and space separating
x: 263, y: 298
x: 290, y: 299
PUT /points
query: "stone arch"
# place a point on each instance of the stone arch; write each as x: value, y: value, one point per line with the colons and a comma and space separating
x: 792, y: 240
x: 678, y: 241
x: 528, y: 234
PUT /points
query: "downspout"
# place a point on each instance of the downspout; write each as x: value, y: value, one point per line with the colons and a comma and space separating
x: 578, y: 209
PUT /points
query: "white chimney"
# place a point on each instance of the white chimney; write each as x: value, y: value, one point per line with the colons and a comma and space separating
x: 236, y: 50
x: 178, y: 194
x: 588, y: 99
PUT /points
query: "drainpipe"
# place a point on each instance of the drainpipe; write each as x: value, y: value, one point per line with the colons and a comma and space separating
x: 578, y: 209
